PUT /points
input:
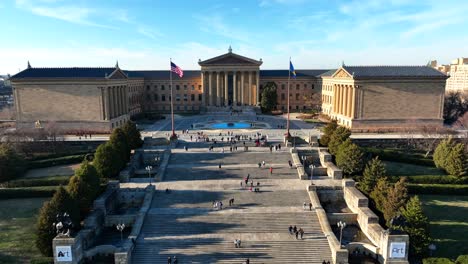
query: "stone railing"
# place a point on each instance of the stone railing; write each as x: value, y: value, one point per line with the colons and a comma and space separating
x: 297, y: 163
x: 326, y: 161
x: 339, y: 254
x: 369, y: 224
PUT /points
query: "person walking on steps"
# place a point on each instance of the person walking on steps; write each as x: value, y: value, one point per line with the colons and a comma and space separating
x: 175, y: 261
x: 290, y: 229
x: 169, y: 260
x: 310, y: 206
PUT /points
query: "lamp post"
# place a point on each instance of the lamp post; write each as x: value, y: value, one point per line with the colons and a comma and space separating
x: 149, y: 168
x: 121, y: 227
x: 312, y: 167
x: 341, y: 225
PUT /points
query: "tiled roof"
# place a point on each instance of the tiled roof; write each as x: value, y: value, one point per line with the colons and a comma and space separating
x: 162, y: 75
x: 74, y: 72
x: 284, y: 73
x: 393, y: 71
x: 328, y: 73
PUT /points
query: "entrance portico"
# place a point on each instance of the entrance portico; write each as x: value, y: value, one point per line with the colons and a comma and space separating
x: 230, y: 80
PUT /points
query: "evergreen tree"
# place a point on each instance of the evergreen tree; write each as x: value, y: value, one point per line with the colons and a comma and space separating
x: 11, y: 164
x: 60, y: 203
x: 327, y: 132
x: 374, y: 170
x: 337, y: 138
x: 456, y: 160
x: 395, y: 200
x: 269, y: 97
x: 107, y: 160
x: 84, y: 186
x: 349, y: 157
x: 417, y: 228
x: 133, y: 135
x: 120, y: 142
x: 442, y: 152
x: 379, y: 193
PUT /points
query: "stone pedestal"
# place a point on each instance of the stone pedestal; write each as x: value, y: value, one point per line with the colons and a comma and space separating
x: 67, y: 250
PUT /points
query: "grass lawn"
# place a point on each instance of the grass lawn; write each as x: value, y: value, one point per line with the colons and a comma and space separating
x: 17, y: 225
x: 406, y: 169
x: 448, y: 216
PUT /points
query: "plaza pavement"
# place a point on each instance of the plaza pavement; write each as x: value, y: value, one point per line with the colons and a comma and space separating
x: 183, y: 222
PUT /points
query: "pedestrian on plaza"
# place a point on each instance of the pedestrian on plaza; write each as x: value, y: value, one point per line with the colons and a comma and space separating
x: 295, y: 229
x: 169, y: 260
x: 175, y: 261
x: 219, y: 165
x: 259, y: 165
x: 241, y: 184
x: 263, y: 164
x: 271, y: 170
x: 251, y: 184
x: 324, y: 262
x: 301, y: 232
x: 304, y: 205
x: 290, y: 229
x: 258, y: 184
x: 290, y: 164
x: 310, y: 206
x: 247, y: 261
x: 297, y: 234
x: 220, y: 205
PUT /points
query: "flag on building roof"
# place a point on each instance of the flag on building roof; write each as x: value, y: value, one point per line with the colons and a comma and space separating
x: 291, y: 69
x: 177, y: 69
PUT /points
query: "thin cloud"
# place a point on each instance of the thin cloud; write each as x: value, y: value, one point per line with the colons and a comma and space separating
x: 148, y: 32
x: 215, y: 24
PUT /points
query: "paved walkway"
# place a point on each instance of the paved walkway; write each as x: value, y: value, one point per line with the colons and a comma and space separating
x: 183, y: 222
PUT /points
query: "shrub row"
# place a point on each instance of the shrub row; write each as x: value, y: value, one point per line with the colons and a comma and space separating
x: 57, y: 155
x: 37, y: 164
x: 432, y: 179
x: 449, y: 189
x: 399, y: 156
x: 48, y: 181
x: 462, y: 259
x: 42, y: 260
x: 27, y: 192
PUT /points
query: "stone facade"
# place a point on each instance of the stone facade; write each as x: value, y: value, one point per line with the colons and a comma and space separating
x: 100, y: 99
x: 458, y: 74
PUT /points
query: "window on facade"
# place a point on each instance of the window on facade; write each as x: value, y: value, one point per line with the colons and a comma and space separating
x: 185, y: 87
x: 297, y: 96
x: 193, y: 87
x: 283, y: 86
x: 155, y: 97
x: 185, y: 97
x: 297, y: 107
x: 297, y: 86
x: 163, y: 88
x: 199, y: 87
x: 283, y: 96
x: 282, y: 107
x: 147, y: 87
x: 305, y: 85
x: 304, y: 107
x: 178, y: 108
x: 199, y: 97
x: 177, y: 97
x: 170, y: 98
x: 155, y: 87
x: 163, y: 97
x: 192, y: 97
x: 177, y: 87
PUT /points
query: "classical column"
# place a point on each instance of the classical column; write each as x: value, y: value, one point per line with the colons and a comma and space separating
x: 126, y: 97
x: 250, y: 88
x: 114, y: 102
x: 218, y: 90
x: 210, y: 88
x: 203, y: 88
x: 350, y: 102
x: 342, y: 99
x: 122, y: 105
x: 257, y: 95
x: 242, y: 88
x: 338, y: 99
x: 106, y: 104
x: 226, y: 90
x: 345, y: 105
x: 353, y: 102
x: 234, y: 88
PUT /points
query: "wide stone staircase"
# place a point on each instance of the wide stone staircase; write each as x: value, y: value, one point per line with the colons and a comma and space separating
x: 208, y: 237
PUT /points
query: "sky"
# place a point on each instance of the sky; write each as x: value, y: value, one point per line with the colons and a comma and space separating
x: 145, y: 34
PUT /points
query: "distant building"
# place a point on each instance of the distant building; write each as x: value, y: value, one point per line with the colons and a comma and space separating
x: 457, y: 72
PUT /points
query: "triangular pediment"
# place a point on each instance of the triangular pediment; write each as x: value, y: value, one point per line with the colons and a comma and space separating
x: 342, y: 73
x: 230, y: 59
x: 117, y: 74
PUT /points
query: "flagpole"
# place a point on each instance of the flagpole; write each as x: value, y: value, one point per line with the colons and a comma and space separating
x: 289, y: 77
x: 172, y: 98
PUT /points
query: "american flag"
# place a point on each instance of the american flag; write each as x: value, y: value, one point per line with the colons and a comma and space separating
x: 177, y: 69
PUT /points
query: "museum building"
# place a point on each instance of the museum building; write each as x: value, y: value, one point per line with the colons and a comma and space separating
x: 99, y: 99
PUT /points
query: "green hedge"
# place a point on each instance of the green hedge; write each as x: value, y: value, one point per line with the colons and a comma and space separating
x: 400, y: 156
x: 437, y: 261
x: 462, y: 259
x: 34, y: 182
x: 432, y: 179
x: 42, y: 260
x: 27, y: 192
x: 37, y: 164
x: 455, y: 189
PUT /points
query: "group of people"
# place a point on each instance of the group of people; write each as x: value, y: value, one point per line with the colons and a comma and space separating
x: 246, y: 183
x: 304, y: 206
x: 172, y: 261
x: 296, y: 232
x: 277, y: 147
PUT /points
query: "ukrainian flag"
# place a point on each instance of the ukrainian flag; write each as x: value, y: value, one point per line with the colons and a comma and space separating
x: 291, y: 69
